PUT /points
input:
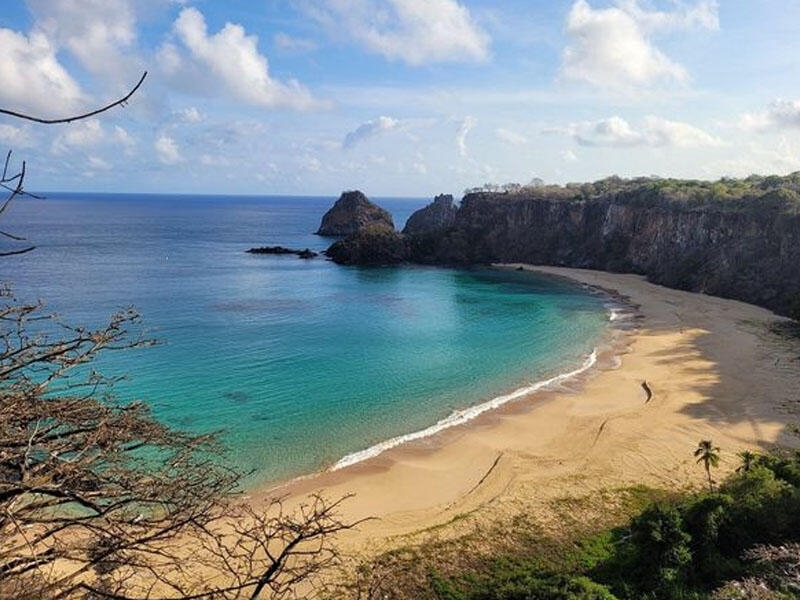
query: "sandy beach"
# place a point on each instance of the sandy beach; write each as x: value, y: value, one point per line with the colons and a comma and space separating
x: 715, y: 371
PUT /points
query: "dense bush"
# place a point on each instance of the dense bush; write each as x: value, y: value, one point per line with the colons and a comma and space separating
x: 683, y: 549
x: 694, y: 546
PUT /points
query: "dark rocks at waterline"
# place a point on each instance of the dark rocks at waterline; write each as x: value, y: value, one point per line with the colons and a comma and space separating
x: 438, y: 215
x: 372, y: 246
x: 304, y: 254
x: 353, y: 212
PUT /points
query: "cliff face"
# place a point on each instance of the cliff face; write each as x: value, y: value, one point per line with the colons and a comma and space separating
x: 351, y: 213
x: 438, y: 215
x: 749, y: 255
x: 734, y: 238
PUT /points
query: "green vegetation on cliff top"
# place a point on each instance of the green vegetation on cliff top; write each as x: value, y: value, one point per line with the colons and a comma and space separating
x: 754, y: 192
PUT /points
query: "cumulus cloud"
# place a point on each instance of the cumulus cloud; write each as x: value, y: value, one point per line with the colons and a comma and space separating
x: 655, y: 132
x: 99, y: 33
x: 32, y: 77
x: 780, y: 114
x: 167, y: 150
x: 461, y: 135
x: 414, y: 31
x: 612, y: 47
x: 370, y: 129
x: 231, y: 61
x: 510, y: 137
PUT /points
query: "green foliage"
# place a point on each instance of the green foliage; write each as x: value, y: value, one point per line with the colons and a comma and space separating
x: 528, y: 585
x: 753, y: 193
x: 661, y: 548
x: 674, y: 547
x: 694, y: 545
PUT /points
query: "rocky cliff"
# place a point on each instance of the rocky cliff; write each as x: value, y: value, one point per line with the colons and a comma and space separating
x: 351, y: 213
x: 438, y: 215
x: 733, y: 238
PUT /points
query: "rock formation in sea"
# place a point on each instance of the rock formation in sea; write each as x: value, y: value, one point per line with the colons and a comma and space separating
x: 438, y: 215
x: 305, y: 253
x: 353, y: 212
x: 375, y: 245
x: 732, y: 238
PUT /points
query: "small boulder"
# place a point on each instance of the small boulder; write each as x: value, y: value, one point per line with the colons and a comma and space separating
x: 353, y: 212
x: 440, y: 214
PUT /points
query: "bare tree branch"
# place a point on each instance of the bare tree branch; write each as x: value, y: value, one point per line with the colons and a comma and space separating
x: 86, y: 115
x: 98, y: 500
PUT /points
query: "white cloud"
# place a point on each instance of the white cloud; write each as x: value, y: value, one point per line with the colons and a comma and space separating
x: 167, y: 150
x: 90, y: 134
x: 414, y: 31
x: 169, y: 60
x: 370, y: 129
x: 99, y: 33
x: 190, y: 114
x: 703, y: 14
x: 230, y: 60
x: 289, y: 43
x: 15, y: 137
x: 510, y: 137
x: 461, y: 135
x: 611, y: 47
x: 781, y: 158
x: 79, y: 135
x: 95, y: 163
x: 122, y: 137
x: 779, y: 114
x: 663, y: 132
x: 569, y: 156
x: 32, y: 78
x: 655, y: 132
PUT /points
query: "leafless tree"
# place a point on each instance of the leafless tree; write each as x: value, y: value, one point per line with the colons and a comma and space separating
x: 98, y: 500
x: 12, y: 181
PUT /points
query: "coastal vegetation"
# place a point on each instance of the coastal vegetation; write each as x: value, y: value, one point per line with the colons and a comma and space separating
x: 739, y: 541
x: 750, y: 193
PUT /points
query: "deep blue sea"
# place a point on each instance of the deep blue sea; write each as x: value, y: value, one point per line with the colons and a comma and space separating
x: 300, y: 363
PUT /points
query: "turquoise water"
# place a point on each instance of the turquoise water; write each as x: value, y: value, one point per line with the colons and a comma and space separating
x: 299, y: 362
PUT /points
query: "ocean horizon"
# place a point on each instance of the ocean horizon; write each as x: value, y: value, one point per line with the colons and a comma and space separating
x: 301, y: 365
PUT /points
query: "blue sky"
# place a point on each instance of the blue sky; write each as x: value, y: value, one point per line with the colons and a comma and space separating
x: 398, y: 97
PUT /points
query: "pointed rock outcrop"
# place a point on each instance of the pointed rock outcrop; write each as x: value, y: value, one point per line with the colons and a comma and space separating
x: 353, y: 212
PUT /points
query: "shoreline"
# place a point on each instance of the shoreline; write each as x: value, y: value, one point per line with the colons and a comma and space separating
x: 709, y: 362
x: 604, y: 355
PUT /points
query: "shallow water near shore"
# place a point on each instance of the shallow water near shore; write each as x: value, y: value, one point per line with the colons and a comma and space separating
x: 299, y: 363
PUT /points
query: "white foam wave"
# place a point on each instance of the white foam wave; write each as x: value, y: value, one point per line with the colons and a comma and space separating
x: 460, y: 417
x: 618, y: 314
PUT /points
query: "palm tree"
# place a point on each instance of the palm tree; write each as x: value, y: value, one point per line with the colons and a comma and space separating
x: 748, y: 460
x: 708, y: 454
